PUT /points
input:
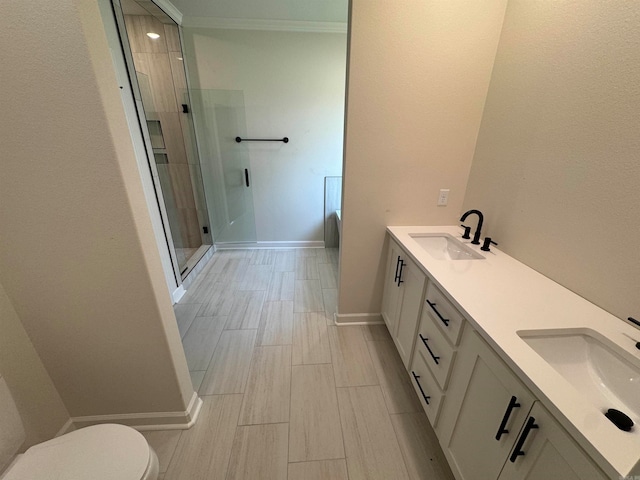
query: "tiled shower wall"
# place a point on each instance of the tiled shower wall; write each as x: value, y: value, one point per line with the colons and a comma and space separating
x: 160, y: 60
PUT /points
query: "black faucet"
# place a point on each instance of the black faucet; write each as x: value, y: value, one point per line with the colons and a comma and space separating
x: 476, y: 236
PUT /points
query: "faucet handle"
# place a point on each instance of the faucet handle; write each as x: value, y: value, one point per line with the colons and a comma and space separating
x: 467, y: 231
x: 487, y: 243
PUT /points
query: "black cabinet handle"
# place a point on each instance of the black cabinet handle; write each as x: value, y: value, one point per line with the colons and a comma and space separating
x: 444, y: 320
x: 424, y: 340
x: 517, y: 451
x: 513, y: 403
x: 402, y: 264
x: 246, y: 177
x: 416, y: 377
x: 395, y: 279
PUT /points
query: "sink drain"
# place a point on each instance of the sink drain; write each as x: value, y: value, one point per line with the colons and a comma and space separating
x: 619, y: 419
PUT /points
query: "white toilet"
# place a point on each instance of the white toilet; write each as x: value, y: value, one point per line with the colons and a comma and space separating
x: 99, y: 452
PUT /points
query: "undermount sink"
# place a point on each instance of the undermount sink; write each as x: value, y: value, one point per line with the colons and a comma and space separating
x: 442, y: 246
x: 608, y: 376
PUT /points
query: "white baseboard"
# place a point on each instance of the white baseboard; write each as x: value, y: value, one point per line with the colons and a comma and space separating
x: 270, y: 245
x: 143, y: 421
x: 358, y: 319
x: 178, y: 293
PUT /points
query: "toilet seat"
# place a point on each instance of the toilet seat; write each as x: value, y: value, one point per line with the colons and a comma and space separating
x: 99, y: 452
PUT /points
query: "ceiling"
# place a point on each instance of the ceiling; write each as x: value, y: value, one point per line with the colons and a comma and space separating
x: 292, y: 10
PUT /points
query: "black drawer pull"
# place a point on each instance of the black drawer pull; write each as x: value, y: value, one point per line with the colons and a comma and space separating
x: 517, y: 451
x: 246, y: 177
x: 513, y: 403
x: 433, y: 306
x: 402, y: 264
x: 424, y: 340
x: 416, y: 377
x: 395, y: 279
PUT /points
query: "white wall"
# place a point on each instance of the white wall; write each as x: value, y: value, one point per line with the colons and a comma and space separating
x: 418, y: 77
x: 78, y: 257
x: 293, y: 86
x: 556, y: 169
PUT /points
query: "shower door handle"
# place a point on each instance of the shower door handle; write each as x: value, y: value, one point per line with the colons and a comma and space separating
x: 246, y: 176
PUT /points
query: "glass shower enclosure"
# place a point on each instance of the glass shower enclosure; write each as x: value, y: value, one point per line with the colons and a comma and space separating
x: 167, y: 123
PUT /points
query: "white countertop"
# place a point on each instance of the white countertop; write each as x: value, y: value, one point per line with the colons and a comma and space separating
x: 501, y: 296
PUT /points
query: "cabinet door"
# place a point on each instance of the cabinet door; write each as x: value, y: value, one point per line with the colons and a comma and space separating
x: 485, y: 410
x: 409, y: 315
x: 392, y: 290
x: 548, y: 452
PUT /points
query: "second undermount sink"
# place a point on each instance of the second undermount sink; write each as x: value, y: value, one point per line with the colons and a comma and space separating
x: 607, y: 375
x: 442, y: 246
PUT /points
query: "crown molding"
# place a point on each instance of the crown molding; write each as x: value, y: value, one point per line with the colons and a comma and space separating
x: 170, y: 9
x: 269, y: 25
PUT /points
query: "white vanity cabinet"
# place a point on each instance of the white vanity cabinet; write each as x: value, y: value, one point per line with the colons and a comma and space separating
x: 492, y: 427
x: 402, y: 299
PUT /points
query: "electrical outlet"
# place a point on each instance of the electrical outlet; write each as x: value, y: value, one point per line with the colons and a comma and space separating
x: 443, y: 197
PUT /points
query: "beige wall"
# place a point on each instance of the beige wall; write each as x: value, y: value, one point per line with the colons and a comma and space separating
x: 78, y: 259
x: 418, y: 77
x: 41, y: 409
x: 556, y: 170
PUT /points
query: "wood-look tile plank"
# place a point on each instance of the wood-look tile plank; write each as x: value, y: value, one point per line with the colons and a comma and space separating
x: 370, y: 442
x: 259, y: 453
x: 285, y: 261
x: 330, y: 300
x: 245, y: 310
x: 351, y: 359
x: 200, y: 341
x: 164, y: 443
x: 229, y: 367
x: 276, y: 324
x: 262, y: 257
x: 204, y: 450
x: 420, y: 447
x: 281, y: 286
x: 268, y: 391
x: 319, y: 470
x: 196, y: 378
x: 254, y: 277
x: 172, y: 37
x: 306, y: 252
x: 200, y: 291
x: 232, y: 269
x: 307, y: 268
x: 308, y: 296
x: 310, y: 339
x: 219, y: 301
x: 328, y: 275
x: 314, y: 427
x: 333, y: 254
x: 398, y: 392
x: 377, y: 333
x: 322, y: 256
x: 185, y: 313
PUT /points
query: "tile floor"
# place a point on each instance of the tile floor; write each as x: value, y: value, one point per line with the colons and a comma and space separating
x: 287, y: 394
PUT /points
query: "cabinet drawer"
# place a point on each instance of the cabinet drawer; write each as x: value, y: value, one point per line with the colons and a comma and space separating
x: 426, y: 386
x: 444, y: 314
x: 437, y: 352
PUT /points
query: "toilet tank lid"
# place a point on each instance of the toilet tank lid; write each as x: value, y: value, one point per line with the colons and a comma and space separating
x: 99, y: 452
x: 12, y: 434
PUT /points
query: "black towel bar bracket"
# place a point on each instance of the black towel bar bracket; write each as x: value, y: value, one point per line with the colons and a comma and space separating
x: 240, y: 139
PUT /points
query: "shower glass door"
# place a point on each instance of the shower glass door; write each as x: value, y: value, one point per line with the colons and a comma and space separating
x: 156, y: 57
x: 226, y: 168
